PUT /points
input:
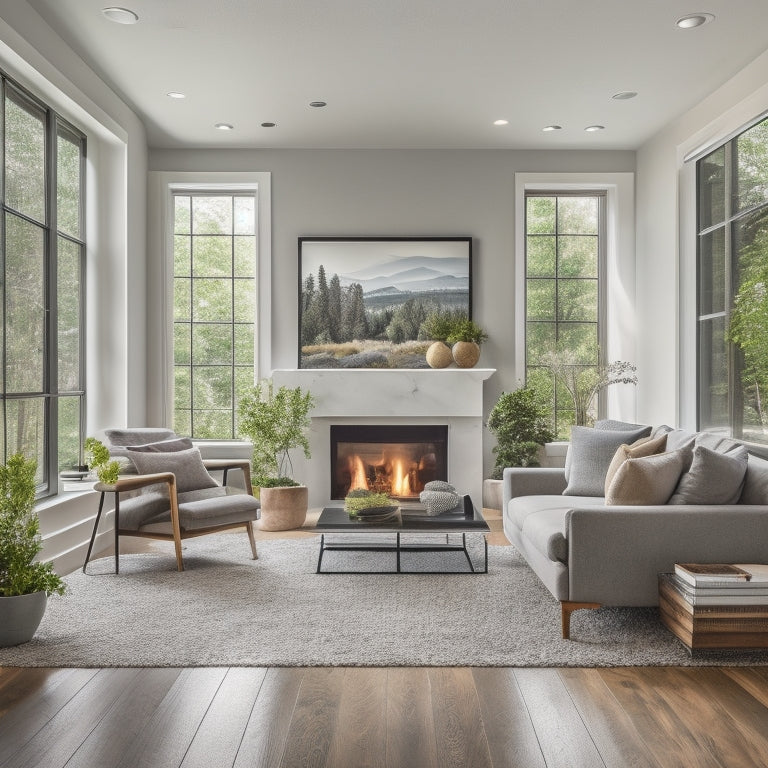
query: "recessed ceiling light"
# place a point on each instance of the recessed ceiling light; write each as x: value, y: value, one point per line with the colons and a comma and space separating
x: 318, y: 103
x: 224, y: 126
x: 552, y: 128
x: 120, y: 15
x: 268, y: 125
x: 694, y: 20
x: 176, y: 95
x: 624, y: 95
x: 592, y: 128
x: 501, y: 122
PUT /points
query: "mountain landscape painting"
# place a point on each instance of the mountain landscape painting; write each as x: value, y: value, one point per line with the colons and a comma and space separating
x: 363, y: 303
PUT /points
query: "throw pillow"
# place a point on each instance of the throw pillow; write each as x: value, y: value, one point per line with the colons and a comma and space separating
x: 164, y: 446
x: 609, y: 425
x: 714, y: 478
x: 591, y: 451
x: 187, y: 465
x: 645, y: 446
x: 645, y: 481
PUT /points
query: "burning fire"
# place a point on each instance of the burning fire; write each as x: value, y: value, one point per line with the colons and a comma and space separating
x: 392, y: 477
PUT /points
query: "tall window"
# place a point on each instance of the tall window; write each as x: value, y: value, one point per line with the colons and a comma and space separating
x: 43, y: 256
x: 214, y: 310
x: 732, y: 254
x: 564, y: 245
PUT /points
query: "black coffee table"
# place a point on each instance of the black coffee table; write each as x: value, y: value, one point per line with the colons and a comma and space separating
x: 411, y: 530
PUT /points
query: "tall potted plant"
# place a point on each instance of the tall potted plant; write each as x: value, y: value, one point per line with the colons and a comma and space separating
x: 24, y: 583
x: 276, y: 421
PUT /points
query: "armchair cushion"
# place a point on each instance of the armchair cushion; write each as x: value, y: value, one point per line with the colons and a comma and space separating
x: 187, y: 465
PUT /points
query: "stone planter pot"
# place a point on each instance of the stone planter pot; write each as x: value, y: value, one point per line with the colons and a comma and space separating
x: 20, y: 616
x: 466, y: 353
x: 283, y: 508
x: 439, y: 355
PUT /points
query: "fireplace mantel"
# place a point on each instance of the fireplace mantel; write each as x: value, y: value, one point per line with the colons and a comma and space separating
x: 452, y: 396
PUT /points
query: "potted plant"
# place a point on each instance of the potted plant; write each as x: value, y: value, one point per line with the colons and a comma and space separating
x: 276, y: 421
x: 98, y: 460
x: 521, y: 423
x: 438, y: 327
x: 466, y: 336
x: 24, y: 583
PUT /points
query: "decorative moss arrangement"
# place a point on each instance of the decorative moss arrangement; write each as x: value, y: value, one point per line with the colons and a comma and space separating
x: 97, y: 458
x: 361, y: 499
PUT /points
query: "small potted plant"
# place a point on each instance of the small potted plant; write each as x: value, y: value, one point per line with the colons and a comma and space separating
x: 25, y: 584
x: 98, y: 460
x: 276, y: 421
x: 466, y: 336
x: 437, y: 328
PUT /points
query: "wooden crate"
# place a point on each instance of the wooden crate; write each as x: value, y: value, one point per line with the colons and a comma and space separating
x: 711, y: 627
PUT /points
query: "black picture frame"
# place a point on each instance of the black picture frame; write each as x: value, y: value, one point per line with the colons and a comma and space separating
x: 351, y: 289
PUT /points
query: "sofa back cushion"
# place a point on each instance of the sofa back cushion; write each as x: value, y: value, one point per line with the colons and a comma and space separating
x: 591, y: 451
x: 755, y: 489
x: 646, y: 480
x: 713, y: 478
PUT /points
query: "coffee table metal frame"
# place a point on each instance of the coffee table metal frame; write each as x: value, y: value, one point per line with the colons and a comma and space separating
x: 466, y: 519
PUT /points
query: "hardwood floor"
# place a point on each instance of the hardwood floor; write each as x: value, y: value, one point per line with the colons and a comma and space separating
x: 384, y: 717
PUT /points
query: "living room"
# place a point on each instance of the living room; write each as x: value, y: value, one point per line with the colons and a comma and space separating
x: 377, y: 183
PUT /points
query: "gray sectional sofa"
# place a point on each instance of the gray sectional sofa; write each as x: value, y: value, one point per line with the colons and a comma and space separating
x: 589, y: 553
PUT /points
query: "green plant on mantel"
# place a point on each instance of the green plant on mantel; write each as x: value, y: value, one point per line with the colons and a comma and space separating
x: 275, y: 421
x: 466, y: 330
x: 20, y: 540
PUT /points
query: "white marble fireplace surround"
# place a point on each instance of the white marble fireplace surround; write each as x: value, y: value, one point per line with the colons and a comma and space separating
x: 449, y: 396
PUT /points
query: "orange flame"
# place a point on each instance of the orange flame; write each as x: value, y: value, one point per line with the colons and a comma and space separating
x: 357, y: 471
x: 401, y: 483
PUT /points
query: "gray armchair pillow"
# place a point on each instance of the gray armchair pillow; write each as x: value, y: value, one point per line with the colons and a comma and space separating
x: 187, y: 465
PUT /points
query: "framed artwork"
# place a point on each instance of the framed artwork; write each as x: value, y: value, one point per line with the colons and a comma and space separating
x: 363, y: 302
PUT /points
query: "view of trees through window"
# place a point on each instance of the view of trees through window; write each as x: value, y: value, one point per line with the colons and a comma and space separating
x: 732, y: 183
x: 214, y: 305
x: 43, y: 253
x: 563, y: 266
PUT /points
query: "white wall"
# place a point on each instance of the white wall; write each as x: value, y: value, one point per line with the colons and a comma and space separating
x: 399, y: 193
x: 666, y: 251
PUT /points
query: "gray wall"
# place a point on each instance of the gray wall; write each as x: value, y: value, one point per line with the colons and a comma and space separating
x: 399, y: 193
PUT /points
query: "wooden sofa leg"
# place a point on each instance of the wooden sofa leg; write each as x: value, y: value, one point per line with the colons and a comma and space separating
x: 567, y: 607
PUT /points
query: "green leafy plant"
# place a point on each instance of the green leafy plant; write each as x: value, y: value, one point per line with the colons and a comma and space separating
x: 97, y: 458
x: 20, y: 540
x: 520, y: 421
x: 275, y: 421
x: 360, y: 499
x: 466, y: 330
x: 439, y: 324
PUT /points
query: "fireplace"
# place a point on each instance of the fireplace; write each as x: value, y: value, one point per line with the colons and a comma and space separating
x: 394, y: 459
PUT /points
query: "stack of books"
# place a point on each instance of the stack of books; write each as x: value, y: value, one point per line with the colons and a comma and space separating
x: 723, y: 583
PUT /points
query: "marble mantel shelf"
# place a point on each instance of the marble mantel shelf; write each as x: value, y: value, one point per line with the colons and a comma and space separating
x: 425, y: 392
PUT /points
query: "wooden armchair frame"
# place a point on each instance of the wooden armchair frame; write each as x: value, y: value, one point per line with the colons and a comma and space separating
x: 136, y: 482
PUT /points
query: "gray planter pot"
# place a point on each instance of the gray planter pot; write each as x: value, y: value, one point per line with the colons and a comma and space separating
x: 20, y: 616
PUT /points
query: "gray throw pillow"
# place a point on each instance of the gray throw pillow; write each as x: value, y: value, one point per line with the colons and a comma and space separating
x: 164, y: 446
x: 608, y: 425
x: 191, y: 474
x: 591, y: 452
x: 714, y: 478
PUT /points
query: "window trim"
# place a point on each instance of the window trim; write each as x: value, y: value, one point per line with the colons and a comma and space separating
x: 620, y: 276
x: 163, y: 186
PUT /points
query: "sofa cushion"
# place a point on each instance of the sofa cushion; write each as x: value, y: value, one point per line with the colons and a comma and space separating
x: 645, y: 446
x: 187, y: 465
x: 755, y: 489
x: 646, y: 480
x: 541, y: 519
x: 607, y: 425
x: 713, y: 478
x: 591, y: 452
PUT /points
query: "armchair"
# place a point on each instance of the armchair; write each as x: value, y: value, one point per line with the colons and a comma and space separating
x: 168, y: 493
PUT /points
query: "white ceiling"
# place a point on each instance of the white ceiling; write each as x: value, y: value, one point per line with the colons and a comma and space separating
x: 411, y: 73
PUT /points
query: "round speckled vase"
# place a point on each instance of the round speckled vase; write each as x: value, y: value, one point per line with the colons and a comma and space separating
x: 466, y: 353
x: 439, y: 355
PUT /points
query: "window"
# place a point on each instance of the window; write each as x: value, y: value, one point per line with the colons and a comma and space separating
x: 564, y: 258
x: 214, y: 305
x: 43, y: 256
x: 732, y: 257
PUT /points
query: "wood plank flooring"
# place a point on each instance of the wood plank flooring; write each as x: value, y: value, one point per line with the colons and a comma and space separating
x: 384, y: 717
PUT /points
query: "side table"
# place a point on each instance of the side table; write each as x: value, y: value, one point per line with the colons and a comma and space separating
x: 129, y: 483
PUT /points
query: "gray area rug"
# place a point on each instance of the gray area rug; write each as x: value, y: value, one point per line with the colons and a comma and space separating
x: 228, y: 610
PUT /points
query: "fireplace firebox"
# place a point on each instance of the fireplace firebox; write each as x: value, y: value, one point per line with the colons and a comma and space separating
x: 394, y: 459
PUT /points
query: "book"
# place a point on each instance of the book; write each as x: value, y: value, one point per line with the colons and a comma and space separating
x: 697, y: 574
x: 721, y: 597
